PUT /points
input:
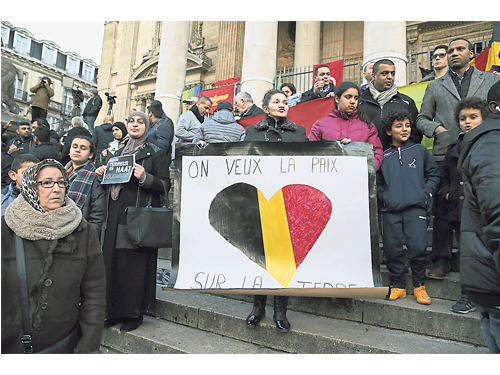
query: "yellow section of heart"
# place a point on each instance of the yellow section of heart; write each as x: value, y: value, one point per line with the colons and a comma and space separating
x: 280, y: 261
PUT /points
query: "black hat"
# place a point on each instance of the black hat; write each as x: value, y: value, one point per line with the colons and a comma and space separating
x: 156, y: 108
x: 224, y: 105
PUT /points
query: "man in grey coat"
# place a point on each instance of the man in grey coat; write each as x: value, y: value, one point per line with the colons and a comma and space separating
x: 221, y: 128
x: 436, y: 120
x: 190, y: 121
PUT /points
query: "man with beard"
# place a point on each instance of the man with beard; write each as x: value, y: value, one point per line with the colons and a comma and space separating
x: 190, y: 121
x: 436, y: 120
x: 23, y: 142
x: 382, y: 97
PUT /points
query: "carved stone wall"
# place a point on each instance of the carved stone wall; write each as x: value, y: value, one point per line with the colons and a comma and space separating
x: 230, y: 49
x: 332, y: 41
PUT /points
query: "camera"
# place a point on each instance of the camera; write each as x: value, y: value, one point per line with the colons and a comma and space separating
x: 44, y: 80
x: 111, y: 98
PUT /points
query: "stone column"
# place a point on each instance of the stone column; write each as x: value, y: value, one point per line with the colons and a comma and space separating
x: 172, y: 65
x: 230, y: 49
x: 259, y: 58
x: 307, y: 50
x: 386, y: 39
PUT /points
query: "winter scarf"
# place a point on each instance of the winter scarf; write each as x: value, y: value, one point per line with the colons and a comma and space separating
x: 196, y: 112
x: 384, y: 96
x: 29, y: 189
x: 33, y: 225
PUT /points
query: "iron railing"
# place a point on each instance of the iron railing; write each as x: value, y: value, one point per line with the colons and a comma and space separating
x: 422, y: 59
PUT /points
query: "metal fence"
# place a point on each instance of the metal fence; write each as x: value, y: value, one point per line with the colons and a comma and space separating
x: 302, y: 77
x: 422, y: 59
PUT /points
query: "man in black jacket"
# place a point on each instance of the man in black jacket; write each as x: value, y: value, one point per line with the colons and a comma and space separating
x: 479, y: 165
x: 103, y: 134
x: 382, y: 96
x: 92, y: 109
x: 161, y: 131
x: 322, y: 88
x: 23, y: 142
x: 246, y: 107
x: 44, y: 149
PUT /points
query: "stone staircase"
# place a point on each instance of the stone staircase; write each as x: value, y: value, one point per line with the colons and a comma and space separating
x: 207, y: 323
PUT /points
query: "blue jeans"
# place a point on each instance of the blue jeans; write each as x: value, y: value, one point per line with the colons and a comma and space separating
x: 89, y: 120
x: 490, y: 327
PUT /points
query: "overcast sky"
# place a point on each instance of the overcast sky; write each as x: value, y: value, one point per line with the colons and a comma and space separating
x: 82, y: 37
x: 85, y: 35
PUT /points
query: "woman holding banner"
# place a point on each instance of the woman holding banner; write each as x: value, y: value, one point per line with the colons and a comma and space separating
x: 275, y: 128
x: 131, y: 272
x: 346, y: 122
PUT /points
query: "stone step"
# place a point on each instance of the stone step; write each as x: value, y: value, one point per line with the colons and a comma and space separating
x: 436, y: 320
x: 448, y: 289
x: 158, y: 336
x: 381, y: 327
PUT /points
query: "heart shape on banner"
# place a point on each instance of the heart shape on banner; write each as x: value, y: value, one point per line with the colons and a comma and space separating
x: 277, y: 234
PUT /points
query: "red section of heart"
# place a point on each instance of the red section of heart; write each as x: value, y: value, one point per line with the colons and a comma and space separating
x: 308, y: 211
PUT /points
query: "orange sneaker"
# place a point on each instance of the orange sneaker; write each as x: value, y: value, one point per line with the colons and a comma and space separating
x: 397, y: 293
x: 421, y: 295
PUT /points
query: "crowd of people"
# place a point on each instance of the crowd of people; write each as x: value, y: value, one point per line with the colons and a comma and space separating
x: 85, y: 275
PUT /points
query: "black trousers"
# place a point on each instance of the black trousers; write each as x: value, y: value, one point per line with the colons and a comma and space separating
x: 442, y: 231
x: 37, y: 112
x: 410, y: 227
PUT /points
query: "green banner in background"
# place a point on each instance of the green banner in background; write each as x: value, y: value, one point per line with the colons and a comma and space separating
x: 416, y: 91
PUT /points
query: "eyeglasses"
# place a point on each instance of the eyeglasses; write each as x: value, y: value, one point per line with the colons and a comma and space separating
x: 440, y: 55
x: 49, y: 184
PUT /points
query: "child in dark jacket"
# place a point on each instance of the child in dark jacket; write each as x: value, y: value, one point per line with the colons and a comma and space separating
x: 469, y: 113
x: 407, y: 177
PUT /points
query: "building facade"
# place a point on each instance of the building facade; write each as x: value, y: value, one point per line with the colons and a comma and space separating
x: 257, y: 51
x: 35, y: 59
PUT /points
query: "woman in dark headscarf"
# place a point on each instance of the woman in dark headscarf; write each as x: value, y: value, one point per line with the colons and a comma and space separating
x: 121, y: 136
x: 130, y: 272
x: 65, y: 269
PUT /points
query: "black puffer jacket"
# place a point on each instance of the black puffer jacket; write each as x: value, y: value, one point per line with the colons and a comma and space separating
x: 94, y: 208
x: 376, y: 113
x: 268, y: 130
x: 103, y: 134
x: 451, y: 182
x: 479, y: 164
x: 46, y: 150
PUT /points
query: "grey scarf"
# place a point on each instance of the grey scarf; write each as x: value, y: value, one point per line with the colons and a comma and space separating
x: 31, y: 224
x: 384, y: 96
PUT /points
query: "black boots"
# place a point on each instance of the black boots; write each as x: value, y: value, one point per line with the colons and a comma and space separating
x: 131, y: 324
x: 259, y: 312
x: 279, y: 317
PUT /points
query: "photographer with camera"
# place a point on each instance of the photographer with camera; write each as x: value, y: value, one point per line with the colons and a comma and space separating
x: 43, y: 93
x: 92, y: 109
